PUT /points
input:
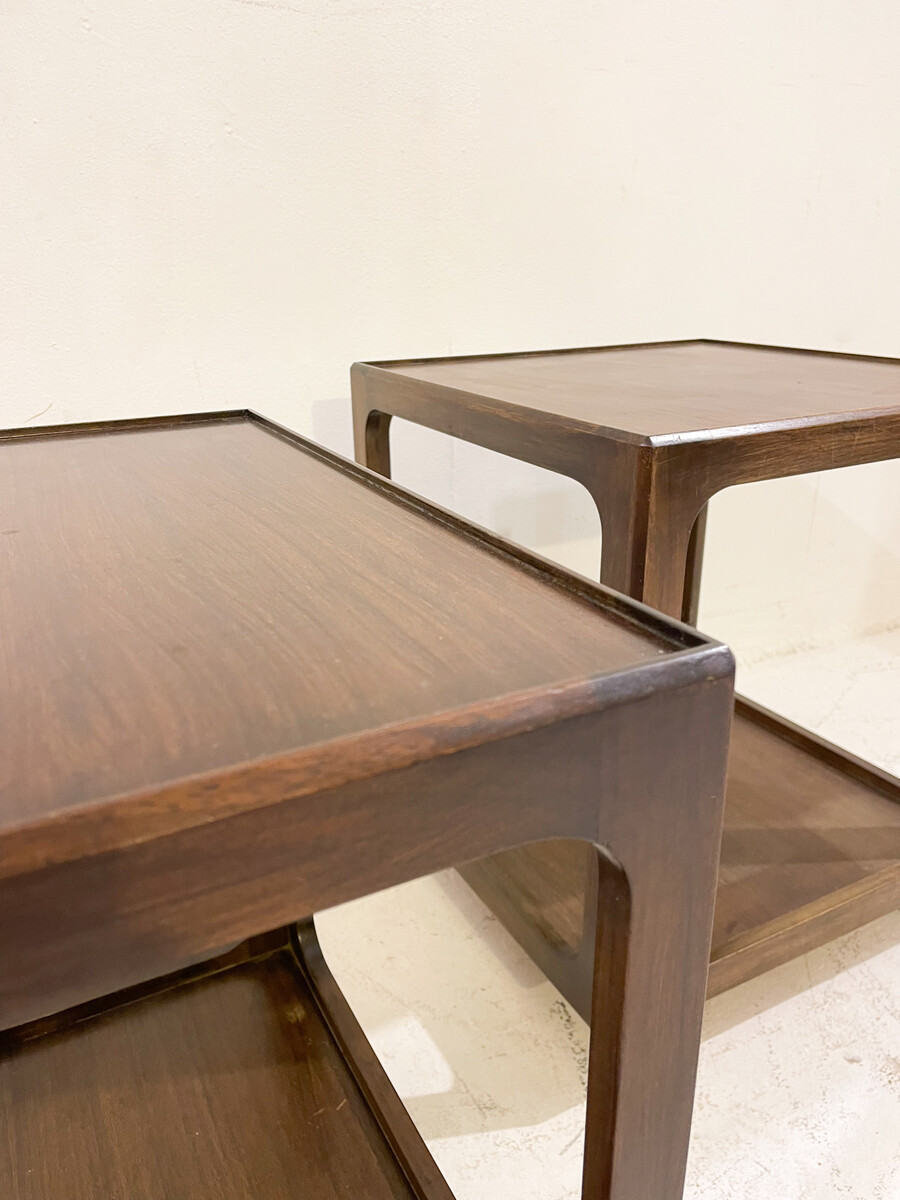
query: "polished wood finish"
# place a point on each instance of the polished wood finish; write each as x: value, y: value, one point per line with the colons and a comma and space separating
x: 666, y: 390
x: 152, y: 566
x: 653, y: 432
x: 808, y: 853
x: 225, y: 1083
x: 254, y: 680
x: 806, y: 824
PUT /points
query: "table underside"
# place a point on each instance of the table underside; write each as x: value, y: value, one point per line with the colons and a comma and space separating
x: 810, y: 851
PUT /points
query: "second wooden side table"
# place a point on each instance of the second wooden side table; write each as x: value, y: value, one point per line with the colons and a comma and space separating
x: 811, y: 846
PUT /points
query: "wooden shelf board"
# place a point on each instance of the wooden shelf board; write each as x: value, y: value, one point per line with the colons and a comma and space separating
x: 229, y: 1085
x: 810, y: 851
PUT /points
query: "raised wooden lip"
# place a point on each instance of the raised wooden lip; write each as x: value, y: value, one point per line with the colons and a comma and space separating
x: 655, y: 441
x: 880, y: 781
x: 30, y: 433
x: 697, y: 341
x: 126, y: 819
x: 764, y: 947
x: 551, y: 353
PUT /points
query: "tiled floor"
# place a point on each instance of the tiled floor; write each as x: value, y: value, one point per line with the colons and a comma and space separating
x: 799, y: 1087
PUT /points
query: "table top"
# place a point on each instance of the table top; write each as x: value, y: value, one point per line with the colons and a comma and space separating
x: 180, y: 598
x: 664, y: 390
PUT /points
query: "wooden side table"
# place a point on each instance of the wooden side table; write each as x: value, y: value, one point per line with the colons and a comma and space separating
x: 812, y: 835
x: 242, y: 680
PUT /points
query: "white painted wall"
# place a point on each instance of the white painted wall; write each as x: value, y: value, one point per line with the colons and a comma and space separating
x: 802, y: 185
x: 221, y: 203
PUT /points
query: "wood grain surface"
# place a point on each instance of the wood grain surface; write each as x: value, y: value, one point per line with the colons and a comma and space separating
x: 672, y: 388
x: 182, y: 600
x: 797, y: 828
x: 810, y: 850
x: 226, y: 1087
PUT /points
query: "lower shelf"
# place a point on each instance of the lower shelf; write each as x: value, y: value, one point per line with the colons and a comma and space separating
x: 225, y: 1081
x: 810, y: 851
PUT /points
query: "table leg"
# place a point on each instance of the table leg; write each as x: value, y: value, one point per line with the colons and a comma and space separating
x: 691, y: 605
x: 653, y: 918
x: 371, y: 437
x: 654, y: 525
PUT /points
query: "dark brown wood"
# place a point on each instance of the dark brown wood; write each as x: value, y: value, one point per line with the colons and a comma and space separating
x: 395, y: 1122
x: 248, y: 680
x: 132, y: 609
x: 810, y: 850
x: 653, y: 432
x: 130, y: 566
x: 222, y: 1082
x: 669, y: 389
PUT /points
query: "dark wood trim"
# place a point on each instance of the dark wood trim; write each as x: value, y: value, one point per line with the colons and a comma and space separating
x: 256, y: 947
x: 418, y: 362
x: 395, y: 1122
x: 853, y: 767
x: 129, y: 821
x: 560, y: 350
x: 777, y: 942
x: 677, y: 633
x: 402, y: 1139
x: 884, y: 358
x: 35, y: 433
